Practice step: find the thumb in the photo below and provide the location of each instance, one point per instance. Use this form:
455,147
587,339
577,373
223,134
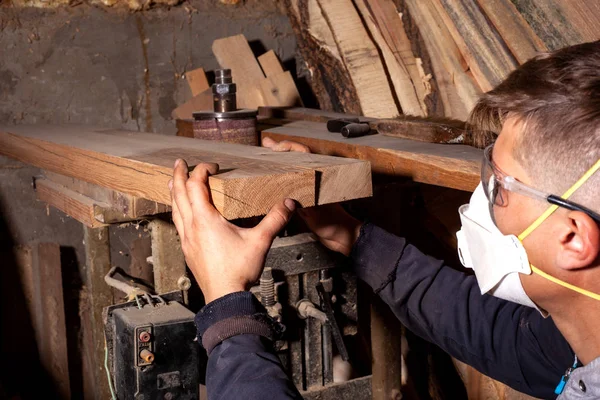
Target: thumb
275,220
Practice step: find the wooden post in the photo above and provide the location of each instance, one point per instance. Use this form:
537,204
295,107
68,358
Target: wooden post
387,356
167,257
99,295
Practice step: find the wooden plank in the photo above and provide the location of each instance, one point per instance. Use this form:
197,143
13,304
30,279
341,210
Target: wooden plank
457,88
280,90
515,31
114,206
583,16
197,81
49,317
387,30
98,296
75,205
234,53
201,102
453,166
480,44
251,180
168,261
270,64
361,58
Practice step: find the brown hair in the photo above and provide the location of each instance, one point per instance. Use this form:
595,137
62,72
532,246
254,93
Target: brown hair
556,96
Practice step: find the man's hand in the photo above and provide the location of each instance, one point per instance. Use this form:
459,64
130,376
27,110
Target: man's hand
334,227
223,257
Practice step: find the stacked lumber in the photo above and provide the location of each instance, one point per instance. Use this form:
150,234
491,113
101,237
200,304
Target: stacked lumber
380,58
250,181
260,82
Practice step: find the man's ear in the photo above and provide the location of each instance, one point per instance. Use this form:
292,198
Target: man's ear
579,241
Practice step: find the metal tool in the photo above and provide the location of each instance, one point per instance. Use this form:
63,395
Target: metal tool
350,127
225,122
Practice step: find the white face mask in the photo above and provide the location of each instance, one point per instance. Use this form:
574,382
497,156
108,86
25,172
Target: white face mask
496,259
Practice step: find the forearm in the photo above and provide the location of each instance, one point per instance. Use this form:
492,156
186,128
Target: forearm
237,334
504,340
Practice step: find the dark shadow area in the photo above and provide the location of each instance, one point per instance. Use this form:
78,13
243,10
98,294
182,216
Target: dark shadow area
19,351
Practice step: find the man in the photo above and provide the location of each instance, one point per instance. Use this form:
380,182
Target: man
530,232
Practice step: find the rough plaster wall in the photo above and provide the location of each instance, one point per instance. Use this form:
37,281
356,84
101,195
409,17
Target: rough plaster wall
88,65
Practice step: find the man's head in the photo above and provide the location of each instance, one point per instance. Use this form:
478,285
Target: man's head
547,114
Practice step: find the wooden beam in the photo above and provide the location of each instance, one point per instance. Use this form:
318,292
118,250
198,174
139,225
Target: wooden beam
98,296
197,81
251,181
453,166
168,261
270,63
74,204
43,289
111,205
361,58
234,53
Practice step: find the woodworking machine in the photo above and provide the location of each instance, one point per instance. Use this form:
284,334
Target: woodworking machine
152,351
226,122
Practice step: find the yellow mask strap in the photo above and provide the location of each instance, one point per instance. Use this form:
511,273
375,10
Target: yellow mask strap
565,196
544,216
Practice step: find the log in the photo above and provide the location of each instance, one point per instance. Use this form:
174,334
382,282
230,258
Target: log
452,166
458,91
515,31
251,180
481,46
360,57
387,30
328,77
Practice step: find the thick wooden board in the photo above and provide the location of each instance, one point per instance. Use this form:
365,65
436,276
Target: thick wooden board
251,180
234,53
452,166
270,63
197,81
280,90
360,57
74,204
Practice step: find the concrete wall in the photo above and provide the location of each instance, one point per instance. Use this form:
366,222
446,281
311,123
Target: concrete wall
107,67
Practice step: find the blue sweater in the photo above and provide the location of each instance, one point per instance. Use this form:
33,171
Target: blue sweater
511,343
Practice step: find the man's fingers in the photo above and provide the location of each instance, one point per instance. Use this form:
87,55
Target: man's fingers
284,146
275,220
198,190
179,193
176,215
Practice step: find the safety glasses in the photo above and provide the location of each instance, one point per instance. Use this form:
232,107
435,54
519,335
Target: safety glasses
495,182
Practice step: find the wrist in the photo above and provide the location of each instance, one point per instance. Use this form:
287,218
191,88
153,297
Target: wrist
212,294
350,235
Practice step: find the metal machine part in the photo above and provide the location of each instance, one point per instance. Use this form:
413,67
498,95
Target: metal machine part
296,267
225,122
152,348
